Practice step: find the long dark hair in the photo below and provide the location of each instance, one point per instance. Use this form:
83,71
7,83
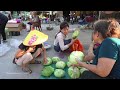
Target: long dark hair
62,25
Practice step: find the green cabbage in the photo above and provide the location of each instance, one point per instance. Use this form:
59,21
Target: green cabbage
55,59
76,55
75,34
47,71
59,73
69,57
49,61
69,64
73,72
82,70
79,67
60,65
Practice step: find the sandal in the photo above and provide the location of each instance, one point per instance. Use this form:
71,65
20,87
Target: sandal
27,70
14,61
36,62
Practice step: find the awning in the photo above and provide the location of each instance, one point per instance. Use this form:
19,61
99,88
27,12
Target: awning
108,12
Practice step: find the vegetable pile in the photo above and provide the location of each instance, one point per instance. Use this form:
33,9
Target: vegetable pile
60,67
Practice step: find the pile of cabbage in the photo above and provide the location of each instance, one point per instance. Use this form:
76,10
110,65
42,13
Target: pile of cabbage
59,72
59,69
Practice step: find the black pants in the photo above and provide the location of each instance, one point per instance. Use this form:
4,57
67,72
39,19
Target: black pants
2,28
91,75
57,48
0,38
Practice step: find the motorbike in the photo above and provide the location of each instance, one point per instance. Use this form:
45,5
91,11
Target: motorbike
57,21
72,20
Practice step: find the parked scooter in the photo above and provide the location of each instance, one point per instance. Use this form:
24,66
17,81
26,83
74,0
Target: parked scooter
57,21
72,20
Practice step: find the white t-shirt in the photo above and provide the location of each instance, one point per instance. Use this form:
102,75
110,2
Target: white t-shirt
60,39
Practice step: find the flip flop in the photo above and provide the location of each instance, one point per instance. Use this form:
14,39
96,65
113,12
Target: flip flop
27,70
14,61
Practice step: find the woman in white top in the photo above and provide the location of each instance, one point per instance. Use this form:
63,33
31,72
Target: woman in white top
60,44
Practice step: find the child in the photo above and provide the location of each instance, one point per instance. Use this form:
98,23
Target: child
60,44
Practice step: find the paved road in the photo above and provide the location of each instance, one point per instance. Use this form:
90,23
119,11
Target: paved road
10,71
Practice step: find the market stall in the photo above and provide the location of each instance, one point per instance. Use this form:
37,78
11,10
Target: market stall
14,27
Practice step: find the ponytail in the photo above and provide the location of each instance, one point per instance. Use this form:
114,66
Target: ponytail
112,27
57,34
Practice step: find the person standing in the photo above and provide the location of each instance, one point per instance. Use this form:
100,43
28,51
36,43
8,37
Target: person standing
3,21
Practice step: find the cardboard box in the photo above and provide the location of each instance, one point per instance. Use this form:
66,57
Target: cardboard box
14,26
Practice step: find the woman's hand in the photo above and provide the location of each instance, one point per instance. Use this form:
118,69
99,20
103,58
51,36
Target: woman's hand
89,57
19,53
79,63
75,65
31,49
45,60
45,56
72,41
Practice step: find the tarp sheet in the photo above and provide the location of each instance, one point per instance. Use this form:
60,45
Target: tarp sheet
53,77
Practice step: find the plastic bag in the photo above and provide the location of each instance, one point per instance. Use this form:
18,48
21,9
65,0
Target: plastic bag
27,27
46,45
15,43
76,46
3,49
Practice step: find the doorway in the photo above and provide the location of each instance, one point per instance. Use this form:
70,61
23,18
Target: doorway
66,15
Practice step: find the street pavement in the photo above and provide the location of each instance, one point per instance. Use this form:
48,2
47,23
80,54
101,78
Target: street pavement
8,70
